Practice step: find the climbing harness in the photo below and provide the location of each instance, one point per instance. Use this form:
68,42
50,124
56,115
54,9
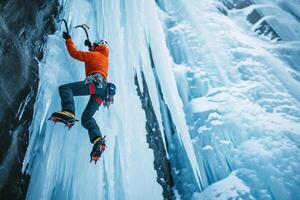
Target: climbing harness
97,80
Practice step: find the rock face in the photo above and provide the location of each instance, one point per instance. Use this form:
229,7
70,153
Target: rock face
23,33
265,28
161,163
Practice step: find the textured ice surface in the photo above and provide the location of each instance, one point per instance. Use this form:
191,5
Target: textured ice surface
229,188
240,93
226,97
59,159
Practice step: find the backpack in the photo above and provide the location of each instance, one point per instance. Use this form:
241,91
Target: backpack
111,91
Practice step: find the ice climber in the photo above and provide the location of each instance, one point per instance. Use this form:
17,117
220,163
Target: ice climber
95,85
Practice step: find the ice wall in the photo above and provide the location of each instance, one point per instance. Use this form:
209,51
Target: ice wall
223,88
59,159
239,89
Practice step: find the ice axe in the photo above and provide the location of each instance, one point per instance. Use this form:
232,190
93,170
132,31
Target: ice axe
84,27
66,24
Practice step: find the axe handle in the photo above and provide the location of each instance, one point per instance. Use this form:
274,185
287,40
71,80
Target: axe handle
84,28
66,24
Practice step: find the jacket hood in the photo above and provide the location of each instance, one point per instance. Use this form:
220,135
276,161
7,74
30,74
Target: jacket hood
102,49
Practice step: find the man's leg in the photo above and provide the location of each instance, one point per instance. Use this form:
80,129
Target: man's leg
68,91
88,121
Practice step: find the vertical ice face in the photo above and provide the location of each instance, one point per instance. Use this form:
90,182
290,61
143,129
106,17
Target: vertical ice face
59,159
222,78
237,76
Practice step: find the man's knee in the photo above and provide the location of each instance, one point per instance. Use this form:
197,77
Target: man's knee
62,89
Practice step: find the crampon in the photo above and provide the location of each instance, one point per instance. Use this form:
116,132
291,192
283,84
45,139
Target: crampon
60,117
98,149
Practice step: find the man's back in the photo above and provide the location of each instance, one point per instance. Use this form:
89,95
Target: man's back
96,60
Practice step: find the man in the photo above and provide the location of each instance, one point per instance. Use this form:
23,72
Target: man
95,85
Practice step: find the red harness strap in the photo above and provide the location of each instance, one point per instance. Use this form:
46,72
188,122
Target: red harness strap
92,91
92,88
99,101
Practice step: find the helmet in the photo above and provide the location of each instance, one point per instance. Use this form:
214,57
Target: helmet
101,42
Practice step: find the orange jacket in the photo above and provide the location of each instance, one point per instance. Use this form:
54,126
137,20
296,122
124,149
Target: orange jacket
96,60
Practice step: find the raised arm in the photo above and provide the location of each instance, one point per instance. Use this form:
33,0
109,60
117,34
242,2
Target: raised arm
84,56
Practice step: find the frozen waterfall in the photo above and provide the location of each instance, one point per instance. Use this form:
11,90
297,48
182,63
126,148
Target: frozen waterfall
222,78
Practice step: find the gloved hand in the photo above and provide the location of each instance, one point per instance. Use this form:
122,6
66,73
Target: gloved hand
87,43
66,35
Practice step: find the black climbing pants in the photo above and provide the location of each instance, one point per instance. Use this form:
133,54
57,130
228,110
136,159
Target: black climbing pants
67,93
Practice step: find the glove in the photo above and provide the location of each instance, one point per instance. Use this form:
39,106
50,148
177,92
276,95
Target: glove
87,43
66,35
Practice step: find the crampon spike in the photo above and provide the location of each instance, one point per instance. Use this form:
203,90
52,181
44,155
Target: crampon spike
69,126
69,123
94,158
54,119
